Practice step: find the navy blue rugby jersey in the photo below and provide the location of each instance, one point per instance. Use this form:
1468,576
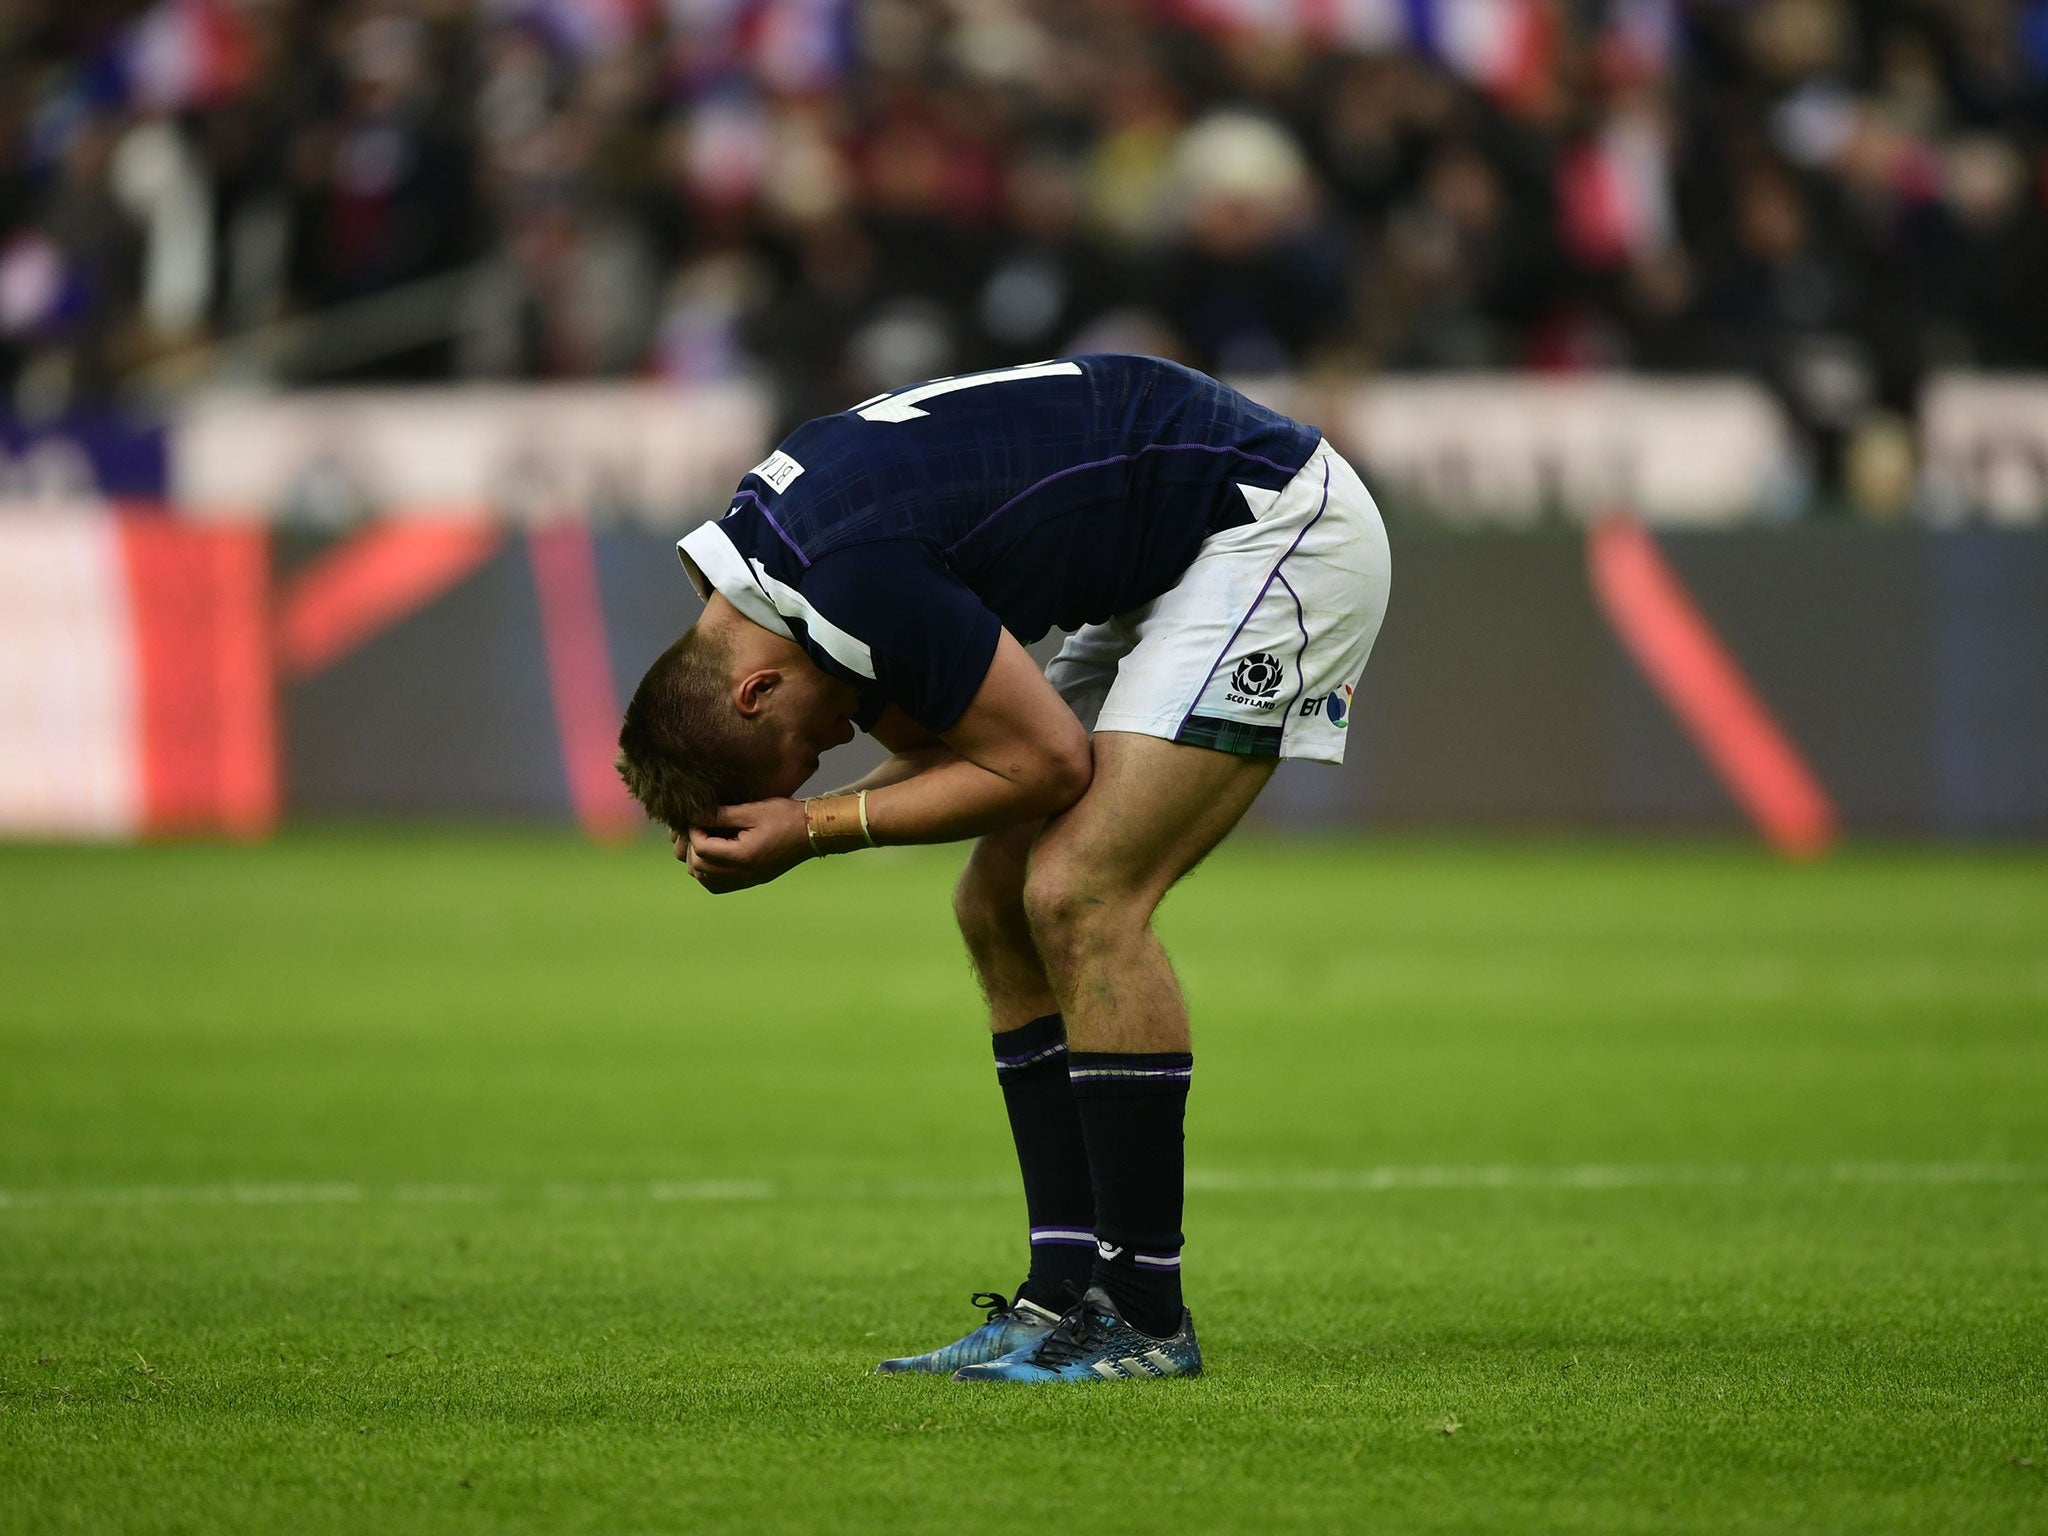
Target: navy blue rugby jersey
895,540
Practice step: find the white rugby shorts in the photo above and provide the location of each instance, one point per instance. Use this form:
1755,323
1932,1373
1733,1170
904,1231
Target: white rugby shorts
1257,648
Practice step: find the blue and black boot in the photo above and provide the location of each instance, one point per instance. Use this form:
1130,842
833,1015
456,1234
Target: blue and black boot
1009,1326
1094,1343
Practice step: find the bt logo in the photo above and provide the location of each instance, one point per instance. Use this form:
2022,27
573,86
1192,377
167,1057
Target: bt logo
1334,707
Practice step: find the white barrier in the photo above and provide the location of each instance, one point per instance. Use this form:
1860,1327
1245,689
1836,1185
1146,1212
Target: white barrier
633,453
1984,441
1508,451
1495,450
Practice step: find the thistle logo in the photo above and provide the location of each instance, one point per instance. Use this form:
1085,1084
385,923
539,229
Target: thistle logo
1258,677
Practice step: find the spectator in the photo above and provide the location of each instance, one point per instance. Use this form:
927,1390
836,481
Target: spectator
835,195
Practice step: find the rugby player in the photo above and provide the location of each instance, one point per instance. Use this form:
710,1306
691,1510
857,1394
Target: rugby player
1221,573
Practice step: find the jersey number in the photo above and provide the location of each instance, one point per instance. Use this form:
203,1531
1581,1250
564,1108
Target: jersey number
902,405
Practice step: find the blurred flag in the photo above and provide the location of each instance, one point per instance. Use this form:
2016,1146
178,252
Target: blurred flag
1507,48
1614,193
186,53
176,56
797,47
587,29
802,45
1641,39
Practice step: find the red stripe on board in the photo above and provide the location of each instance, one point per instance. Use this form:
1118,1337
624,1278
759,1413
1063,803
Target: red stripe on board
580,677
199,600
1701,683
369,583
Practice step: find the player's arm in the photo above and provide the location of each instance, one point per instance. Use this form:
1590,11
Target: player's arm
912,750
1016,754
1008,748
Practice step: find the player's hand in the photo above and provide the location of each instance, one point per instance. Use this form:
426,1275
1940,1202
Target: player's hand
746,845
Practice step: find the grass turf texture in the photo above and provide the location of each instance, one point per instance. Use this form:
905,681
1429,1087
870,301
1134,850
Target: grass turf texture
424,1183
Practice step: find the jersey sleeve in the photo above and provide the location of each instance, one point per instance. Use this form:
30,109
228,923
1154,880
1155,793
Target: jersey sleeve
928,640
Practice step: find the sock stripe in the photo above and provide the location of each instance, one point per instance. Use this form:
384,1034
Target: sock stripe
1070,1235
1030,1058
1157,1074
1156,1260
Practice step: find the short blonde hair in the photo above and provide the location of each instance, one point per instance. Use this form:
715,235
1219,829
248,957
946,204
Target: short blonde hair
683,749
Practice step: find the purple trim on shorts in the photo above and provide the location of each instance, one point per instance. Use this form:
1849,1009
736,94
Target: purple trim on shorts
1123,458
755,498
1203,687
1026,1058
1300,656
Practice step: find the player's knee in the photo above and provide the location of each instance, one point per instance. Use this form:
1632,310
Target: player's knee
979,910
1069,903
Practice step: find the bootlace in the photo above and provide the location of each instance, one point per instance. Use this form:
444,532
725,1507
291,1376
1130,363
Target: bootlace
1080,1332
994,1303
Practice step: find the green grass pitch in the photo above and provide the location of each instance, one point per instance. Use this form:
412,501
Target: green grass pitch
430,1182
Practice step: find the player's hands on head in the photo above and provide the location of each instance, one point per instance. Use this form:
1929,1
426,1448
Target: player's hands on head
745,845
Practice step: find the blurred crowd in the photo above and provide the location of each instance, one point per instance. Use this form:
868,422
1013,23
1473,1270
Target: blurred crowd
1835,198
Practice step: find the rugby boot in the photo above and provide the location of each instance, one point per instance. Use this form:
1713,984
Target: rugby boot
1094,1343
1010,1325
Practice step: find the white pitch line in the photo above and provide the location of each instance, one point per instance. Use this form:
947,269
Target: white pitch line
187,1194
1308,1181
1608,1176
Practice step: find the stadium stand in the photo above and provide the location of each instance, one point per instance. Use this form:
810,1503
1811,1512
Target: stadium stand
1835,199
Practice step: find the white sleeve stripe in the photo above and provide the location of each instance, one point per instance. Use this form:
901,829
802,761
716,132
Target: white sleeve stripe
766,600
849,651
709,552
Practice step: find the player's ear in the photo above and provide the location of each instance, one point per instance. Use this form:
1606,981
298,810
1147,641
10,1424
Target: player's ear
751,691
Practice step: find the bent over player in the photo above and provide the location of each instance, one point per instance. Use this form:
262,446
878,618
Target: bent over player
1222,573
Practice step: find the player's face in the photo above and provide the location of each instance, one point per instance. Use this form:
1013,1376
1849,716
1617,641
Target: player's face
812,714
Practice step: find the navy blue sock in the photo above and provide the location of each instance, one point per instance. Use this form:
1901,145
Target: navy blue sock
1059,1199
1132,1108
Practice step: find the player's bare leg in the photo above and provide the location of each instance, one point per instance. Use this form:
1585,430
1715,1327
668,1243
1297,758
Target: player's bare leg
1031,1066
1099,872
1095,877
988,903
